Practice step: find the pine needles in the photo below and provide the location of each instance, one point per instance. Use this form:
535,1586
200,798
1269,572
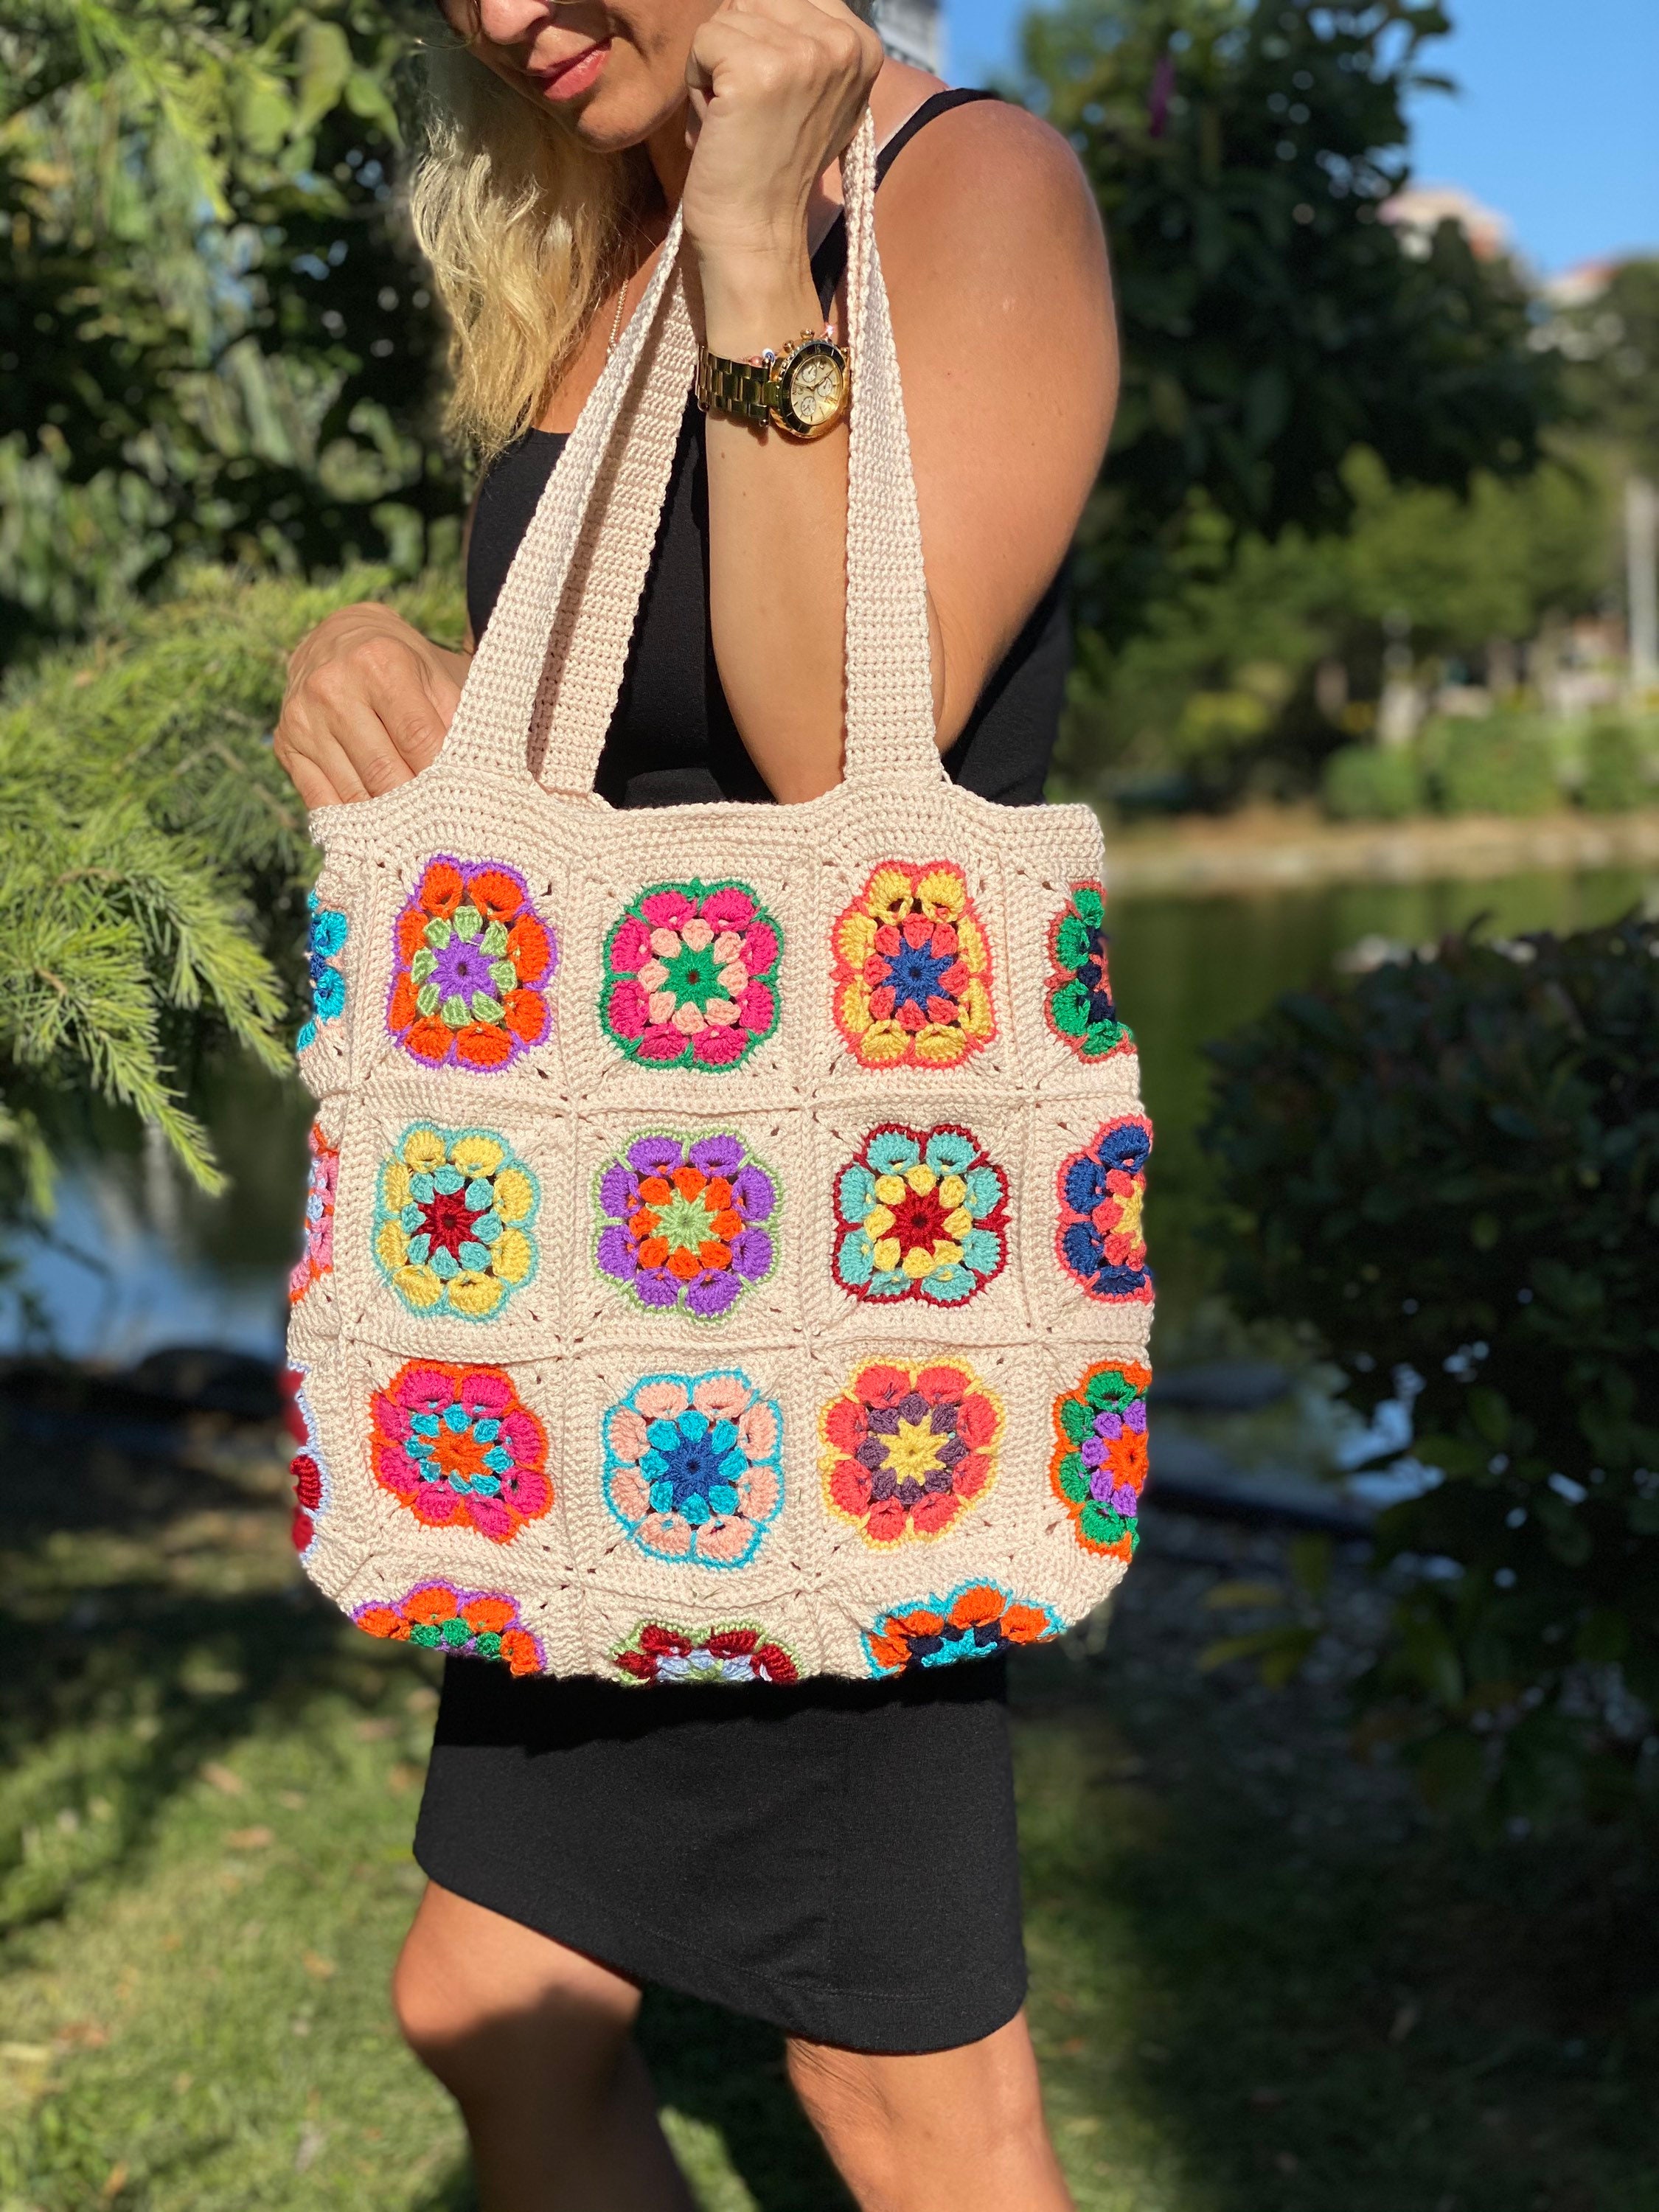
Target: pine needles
152,865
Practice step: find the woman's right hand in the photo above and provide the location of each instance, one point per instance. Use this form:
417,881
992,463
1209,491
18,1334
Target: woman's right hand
369,703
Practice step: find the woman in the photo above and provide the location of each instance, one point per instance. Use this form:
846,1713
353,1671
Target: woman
837,1858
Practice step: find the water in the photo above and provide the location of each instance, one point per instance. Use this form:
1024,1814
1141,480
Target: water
135,1261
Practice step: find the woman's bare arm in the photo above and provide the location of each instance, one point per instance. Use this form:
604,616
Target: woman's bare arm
1001,304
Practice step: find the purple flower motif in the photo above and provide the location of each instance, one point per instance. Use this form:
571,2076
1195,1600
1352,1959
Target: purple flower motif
686,1224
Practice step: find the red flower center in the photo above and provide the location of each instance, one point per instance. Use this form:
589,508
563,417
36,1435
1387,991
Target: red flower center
919,1221
448,1220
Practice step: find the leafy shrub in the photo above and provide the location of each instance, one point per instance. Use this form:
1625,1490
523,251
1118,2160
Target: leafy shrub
154,861
1452,1167
1499,766
1615,770
1372,783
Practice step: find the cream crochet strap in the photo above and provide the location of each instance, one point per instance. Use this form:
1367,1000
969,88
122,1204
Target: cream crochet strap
545,680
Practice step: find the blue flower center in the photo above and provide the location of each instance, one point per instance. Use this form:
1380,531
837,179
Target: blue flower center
915,974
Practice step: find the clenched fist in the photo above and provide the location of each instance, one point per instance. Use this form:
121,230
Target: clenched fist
369,704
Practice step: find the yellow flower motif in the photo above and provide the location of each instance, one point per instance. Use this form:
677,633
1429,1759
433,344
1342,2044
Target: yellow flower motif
888,896
855,938
515,1195
477,1156
453,1224
912,980
943,895
424,1151
418,1287
514,1255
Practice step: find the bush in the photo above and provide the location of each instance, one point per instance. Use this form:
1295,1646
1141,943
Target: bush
1498,765
1452,1166
1615,770
1372,783
154,860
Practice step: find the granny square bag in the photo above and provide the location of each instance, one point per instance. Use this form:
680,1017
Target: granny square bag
724,1254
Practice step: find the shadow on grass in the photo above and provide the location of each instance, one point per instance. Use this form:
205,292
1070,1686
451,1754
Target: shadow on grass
725,2074
1298,1990
152,1619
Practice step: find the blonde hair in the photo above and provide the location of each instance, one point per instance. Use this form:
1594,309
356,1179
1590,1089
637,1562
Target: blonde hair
523,226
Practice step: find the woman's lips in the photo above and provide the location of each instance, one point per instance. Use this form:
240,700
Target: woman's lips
567,80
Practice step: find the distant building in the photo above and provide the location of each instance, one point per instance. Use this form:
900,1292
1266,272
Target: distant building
913,31
1418,211
1578,286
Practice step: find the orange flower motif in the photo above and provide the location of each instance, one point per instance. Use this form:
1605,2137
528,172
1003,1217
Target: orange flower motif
469,958
477,1624
976,1621
912,972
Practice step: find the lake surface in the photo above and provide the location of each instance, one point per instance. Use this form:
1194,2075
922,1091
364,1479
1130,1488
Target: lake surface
135,1261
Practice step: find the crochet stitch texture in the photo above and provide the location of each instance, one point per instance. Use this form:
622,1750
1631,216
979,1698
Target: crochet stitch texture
724,1257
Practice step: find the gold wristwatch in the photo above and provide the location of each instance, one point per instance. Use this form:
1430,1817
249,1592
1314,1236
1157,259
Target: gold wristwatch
804,389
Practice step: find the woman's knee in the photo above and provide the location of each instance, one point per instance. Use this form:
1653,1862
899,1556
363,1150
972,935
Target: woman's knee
481,2000
909,2131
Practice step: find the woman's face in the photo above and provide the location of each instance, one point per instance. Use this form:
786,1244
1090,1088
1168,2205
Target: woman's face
615,73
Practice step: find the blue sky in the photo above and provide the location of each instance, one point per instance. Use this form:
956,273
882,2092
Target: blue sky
1556,124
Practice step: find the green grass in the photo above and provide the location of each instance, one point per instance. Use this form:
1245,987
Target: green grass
1261,1982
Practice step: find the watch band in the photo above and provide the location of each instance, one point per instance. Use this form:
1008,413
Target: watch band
747,389
753,391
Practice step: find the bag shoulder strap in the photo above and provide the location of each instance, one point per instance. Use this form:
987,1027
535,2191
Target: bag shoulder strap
544,681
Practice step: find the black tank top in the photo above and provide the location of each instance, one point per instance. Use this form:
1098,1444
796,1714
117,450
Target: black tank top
672,740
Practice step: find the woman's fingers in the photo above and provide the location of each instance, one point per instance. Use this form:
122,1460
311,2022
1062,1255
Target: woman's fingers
367,707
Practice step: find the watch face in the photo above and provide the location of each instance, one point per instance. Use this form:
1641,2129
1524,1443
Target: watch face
815,386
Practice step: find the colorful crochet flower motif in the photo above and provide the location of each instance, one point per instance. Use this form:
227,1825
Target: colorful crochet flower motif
905,1449
1102,1188
470,962
325,937
923,1215
469,1624
691,976
318,1258
455,1445
684,1223
453,1216
1080,1004
1099,1465
912,979
310,1477
740,1652
976,1621
691,1466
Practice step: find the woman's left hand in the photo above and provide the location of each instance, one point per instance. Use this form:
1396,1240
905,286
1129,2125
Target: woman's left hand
777,87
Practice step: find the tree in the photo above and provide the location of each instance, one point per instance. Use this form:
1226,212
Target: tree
1611,346
154,863
1218,687
213,341
1241,151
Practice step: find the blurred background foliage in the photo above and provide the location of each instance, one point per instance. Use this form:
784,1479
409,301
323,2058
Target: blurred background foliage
1449,1169
215,343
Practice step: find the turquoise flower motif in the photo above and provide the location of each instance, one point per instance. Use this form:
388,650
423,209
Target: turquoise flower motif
923,1214
326,937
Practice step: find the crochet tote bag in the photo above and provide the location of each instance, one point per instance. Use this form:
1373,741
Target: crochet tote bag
724,1256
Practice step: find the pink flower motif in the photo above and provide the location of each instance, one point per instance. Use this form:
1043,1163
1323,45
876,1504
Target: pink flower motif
318,1258
691,1466
667,906
455,1445
690,975
730,907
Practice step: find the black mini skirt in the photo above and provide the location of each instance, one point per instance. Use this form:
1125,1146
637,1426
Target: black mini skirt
836,1857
